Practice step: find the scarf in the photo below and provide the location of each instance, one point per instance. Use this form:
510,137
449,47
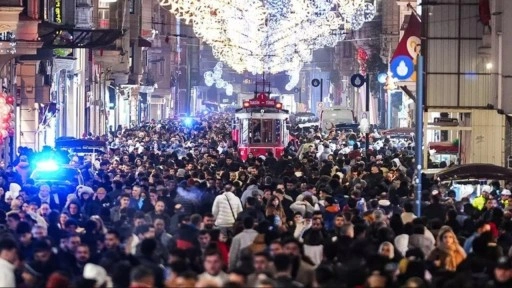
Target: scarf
44,199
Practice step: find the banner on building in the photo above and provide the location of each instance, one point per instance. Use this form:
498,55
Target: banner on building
404,59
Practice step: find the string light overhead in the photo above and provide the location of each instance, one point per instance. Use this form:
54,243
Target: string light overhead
270,36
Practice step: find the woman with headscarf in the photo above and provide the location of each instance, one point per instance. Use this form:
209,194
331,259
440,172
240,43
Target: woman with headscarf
448,254
387,250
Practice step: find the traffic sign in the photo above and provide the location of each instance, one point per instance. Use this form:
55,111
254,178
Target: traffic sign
402,68
315,82
357,80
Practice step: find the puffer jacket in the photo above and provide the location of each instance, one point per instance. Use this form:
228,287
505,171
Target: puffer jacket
225,215
422,242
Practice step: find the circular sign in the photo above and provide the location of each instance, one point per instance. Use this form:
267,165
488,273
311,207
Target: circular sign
402,67
382,77
357,80
315,82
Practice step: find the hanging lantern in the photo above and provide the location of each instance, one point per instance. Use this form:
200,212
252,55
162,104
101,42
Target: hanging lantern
7,124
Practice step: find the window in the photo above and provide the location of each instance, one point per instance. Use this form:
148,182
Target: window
348,50
264,131
132,6
132,53
145,58
103,18
163,28
103,4
162,67
277,131
244,127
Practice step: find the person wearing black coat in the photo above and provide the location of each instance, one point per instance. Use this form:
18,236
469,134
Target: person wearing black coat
147,250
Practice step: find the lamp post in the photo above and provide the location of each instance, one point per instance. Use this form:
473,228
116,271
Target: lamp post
319,82
358,80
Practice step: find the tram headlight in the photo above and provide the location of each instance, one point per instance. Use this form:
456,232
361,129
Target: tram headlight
279,106
262,112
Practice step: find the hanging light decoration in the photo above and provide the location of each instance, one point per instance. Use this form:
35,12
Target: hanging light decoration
270,35
215,78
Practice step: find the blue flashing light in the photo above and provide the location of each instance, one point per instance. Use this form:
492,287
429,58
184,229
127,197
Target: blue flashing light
188,121
47,166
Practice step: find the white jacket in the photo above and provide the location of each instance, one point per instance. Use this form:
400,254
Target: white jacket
7,274
225,215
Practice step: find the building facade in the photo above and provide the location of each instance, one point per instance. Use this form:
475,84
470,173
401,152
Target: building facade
466,78
86,67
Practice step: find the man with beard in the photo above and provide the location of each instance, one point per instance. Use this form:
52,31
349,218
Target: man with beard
43,255
314,239
335,233
82,257
208,221
302,271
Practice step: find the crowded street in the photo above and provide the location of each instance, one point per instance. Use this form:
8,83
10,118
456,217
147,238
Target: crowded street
255,143
175,205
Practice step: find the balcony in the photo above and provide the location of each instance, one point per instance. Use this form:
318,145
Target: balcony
61,36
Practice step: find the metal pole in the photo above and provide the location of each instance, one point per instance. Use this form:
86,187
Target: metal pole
322,90
367,135
388,118
189,81
418,151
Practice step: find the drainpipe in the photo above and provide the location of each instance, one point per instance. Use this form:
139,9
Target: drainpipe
500,68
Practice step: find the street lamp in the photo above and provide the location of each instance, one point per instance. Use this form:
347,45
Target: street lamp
358,80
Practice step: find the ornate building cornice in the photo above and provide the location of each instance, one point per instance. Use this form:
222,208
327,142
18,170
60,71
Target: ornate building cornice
9,17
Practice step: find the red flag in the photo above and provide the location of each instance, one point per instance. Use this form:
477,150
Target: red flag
410,43
484,12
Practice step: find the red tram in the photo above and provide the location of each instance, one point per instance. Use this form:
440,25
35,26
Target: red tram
261,126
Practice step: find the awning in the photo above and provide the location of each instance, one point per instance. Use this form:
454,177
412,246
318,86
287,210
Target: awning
443,147
476,171
398,131
144,43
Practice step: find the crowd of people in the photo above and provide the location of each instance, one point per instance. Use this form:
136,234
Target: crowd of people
172,205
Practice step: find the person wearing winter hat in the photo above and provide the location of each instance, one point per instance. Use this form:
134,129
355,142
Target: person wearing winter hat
98,274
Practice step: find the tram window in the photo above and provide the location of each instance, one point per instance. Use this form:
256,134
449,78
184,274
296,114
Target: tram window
277,130
245,130
261,131
267,131
255,130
